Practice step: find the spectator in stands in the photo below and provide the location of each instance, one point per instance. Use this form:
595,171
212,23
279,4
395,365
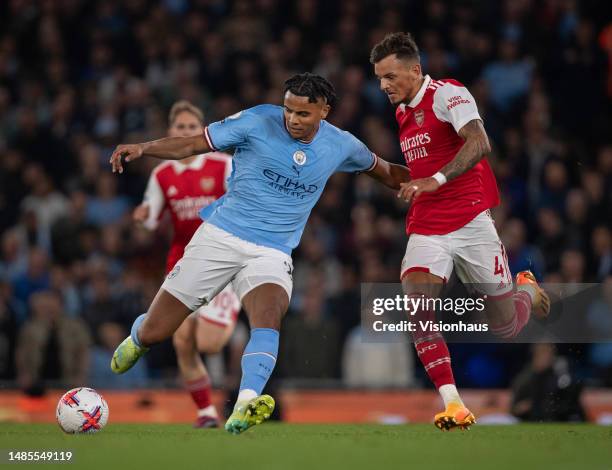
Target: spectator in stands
578,217
51,346
13,254
572,266
593,183
44,201
314,262
107,207
35,278
550,237
546,390
8,332
521,255
508,78
12,163
346,304
601,245
66,232
61,282
555,186
101,306
312,349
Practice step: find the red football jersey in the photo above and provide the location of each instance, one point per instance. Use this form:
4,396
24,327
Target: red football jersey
428,128
184,190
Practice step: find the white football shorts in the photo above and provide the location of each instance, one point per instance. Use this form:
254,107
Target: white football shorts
475,250
215,258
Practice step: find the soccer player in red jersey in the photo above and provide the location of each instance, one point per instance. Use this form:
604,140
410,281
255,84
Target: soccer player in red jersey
183,188
449,225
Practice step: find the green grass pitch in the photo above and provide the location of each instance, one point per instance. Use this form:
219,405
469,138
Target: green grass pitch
313,447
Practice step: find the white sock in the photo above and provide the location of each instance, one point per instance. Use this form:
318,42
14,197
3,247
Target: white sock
210,410
245,395
449,394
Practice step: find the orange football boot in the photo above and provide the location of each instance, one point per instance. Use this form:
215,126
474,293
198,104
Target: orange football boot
456,415
540,304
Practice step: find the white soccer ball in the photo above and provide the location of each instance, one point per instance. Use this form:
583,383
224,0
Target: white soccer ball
81,410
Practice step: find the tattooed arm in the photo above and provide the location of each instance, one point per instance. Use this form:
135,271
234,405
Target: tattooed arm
473,150
475,147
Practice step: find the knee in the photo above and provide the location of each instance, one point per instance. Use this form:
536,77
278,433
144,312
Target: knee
211,346
267,318
211,338
182,343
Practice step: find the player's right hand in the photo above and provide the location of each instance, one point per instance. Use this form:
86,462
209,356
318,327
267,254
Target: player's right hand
412,189
141,213
128,151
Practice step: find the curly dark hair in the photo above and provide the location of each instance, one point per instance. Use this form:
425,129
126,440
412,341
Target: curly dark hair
400,44
313,86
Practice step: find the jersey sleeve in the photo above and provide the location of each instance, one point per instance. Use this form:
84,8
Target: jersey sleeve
154,198
359,157
455,104
231,132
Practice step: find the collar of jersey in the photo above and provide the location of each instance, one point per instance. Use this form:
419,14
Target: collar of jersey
196,164
419,96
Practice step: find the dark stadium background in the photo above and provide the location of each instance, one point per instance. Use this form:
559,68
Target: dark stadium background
78,77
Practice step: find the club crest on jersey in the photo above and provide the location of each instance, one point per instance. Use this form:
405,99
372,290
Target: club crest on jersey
419,117
299,157
207,184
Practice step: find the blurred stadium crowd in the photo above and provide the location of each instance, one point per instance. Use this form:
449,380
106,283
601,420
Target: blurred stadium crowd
77,77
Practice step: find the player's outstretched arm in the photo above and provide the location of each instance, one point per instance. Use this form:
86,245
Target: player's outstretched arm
168,148
389,174
476,146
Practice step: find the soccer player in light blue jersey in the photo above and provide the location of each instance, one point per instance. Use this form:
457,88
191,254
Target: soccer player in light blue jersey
283,157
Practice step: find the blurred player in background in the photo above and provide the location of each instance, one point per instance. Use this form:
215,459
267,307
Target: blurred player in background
283,159
449,224
183,188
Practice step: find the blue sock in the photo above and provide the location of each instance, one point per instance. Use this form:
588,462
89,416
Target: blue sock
259,359
134,330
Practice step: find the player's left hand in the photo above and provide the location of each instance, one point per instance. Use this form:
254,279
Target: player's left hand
411,190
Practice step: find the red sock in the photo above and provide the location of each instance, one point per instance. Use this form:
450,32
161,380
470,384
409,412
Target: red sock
200,391
522,312
431,349
434,356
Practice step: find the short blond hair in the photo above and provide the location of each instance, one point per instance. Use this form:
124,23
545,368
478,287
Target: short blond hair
184,105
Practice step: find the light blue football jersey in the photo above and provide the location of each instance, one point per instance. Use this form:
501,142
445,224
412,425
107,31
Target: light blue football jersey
276,180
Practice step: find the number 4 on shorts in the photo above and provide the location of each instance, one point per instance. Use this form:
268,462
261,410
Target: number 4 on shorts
499,268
